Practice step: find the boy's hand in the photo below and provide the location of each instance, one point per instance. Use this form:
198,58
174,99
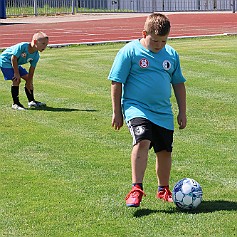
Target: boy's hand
29,87
16,78
117,121
182,120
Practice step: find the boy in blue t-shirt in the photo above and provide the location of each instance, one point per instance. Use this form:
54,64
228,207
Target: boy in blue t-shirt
11,60
142,75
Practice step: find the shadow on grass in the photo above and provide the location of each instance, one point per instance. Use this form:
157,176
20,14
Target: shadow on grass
144,212
205,207
54,109
216,205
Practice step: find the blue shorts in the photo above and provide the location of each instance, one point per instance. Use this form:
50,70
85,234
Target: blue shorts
143,129
8,73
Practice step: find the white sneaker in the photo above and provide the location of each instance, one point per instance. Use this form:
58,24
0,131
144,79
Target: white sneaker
36,104
18,107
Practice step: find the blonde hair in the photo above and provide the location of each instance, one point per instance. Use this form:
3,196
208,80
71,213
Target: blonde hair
157,24
39,35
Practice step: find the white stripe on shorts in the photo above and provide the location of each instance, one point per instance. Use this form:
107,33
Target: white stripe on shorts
132,133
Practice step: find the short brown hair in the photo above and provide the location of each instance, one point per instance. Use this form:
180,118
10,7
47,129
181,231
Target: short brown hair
157,24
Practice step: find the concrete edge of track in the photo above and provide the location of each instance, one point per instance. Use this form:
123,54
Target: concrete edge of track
126,41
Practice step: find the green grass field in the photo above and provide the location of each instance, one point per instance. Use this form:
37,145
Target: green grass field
66,172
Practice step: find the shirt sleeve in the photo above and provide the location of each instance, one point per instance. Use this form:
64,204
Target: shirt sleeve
17,50
177,76
121,66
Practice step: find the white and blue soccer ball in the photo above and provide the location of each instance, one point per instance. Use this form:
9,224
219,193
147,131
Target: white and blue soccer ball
187,194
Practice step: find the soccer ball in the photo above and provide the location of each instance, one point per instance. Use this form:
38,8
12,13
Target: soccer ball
187,194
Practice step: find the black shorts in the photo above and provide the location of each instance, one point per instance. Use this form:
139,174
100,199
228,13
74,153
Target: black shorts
143,129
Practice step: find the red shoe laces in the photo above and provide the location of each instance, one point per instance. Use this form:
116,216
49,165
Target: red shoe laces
135,192
167,193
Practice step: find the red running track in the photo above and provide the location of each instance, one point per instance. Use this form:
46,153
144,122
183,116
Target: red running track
117,29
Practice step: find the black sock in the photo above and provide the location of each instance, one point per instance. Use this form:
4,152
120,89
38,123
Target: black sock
139,185
30,95
160,188
15,94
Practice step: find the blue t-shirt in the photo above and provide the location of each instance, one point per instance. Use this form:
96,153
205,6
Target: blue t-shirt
147,79
21,52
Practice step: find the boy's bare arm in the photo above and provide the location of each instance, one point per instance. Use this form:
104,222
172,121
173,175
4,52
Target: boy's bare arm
29,81
31,72
116,93
180,94
15,67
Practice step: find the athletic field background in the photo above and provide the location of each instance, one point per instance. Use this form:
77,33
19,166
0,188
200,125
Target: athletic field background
66,172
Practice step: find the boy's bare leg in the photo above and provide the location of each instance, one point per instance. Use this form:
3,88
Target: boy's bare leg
163,167
139,158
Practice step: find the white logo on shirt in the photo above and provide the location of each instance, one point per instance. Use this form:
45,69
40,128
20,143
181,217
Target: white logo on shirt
29,59
23,55
166,65
143,63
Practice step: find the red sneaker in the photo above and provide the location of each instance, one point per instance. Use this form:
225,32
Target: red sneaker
165,194
134,197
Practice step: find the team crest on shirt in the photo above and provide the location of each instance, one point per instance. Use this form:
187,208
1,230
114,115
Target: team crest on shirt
139,130
144,63
166,65
23,55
